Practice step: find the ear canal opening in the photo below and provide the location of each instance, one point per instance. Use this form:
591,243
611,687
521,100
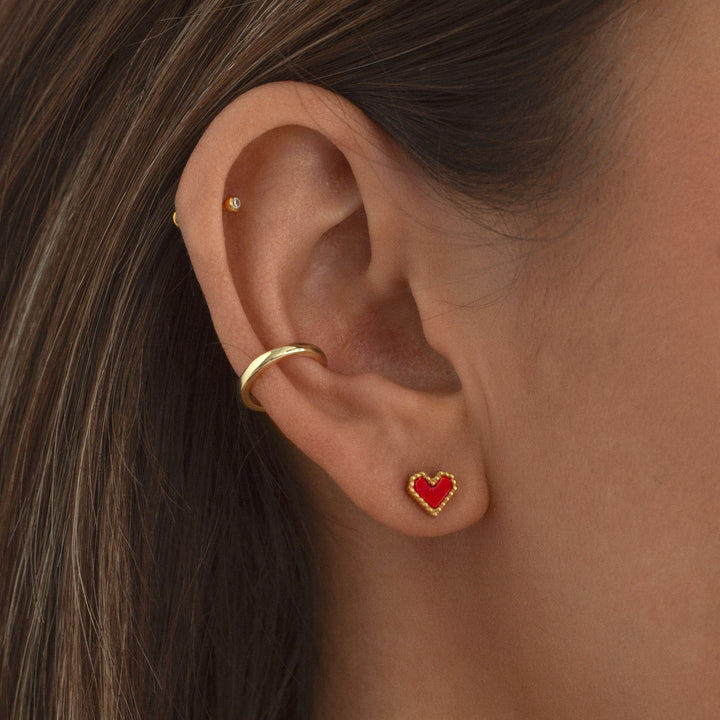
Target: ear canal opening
344,249
402,353
382,333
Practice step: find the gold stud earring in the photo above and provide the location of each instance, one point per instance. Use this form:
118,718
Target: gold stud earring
231,203
432,493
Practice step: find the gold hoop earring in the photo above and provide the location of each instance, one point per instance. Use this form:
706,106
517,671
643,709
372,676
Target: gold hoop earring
262,362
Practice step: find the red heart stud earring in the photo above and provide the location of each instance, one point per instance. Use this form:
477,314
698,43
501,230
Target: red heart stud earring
432,494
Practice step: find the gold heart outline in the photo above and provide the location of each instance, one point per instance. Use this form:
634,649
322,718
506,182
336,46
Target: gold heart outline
432,482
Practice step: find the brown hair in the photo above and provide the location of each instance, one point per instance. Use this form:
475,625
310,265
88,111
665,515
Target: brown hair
154,552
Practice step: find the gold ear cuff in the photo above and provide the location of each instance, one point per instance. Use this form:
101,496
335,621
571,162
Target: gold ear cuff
262,362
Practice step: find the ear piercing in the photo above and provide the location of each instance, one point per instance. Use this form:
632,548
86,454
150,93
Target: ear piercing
231,203
432,494
262,362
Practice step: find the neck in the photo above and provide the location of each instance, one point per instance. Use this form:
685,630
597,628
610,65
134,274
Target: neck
405,633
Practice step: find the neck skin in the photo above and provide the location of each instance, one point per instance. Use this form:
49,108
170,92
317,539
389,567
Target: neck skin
405,633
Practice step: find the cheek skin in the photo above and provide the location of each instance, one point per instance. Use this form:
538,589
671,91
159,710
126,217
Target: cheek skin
608,489
605,449
607,480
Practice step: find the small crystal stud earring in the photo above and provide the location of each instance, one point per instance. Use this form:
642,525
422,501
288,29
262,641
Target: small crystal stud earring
232,203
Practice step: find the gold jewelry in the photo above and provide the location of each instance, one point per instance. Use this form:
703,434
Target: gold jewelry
432,494
259,364
230,203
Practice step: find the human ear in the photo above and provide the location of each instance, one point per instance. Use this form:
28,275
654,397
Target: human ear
326,248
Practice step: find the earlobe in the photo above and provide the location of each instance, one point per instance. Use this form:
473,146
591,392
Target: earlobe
295,211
